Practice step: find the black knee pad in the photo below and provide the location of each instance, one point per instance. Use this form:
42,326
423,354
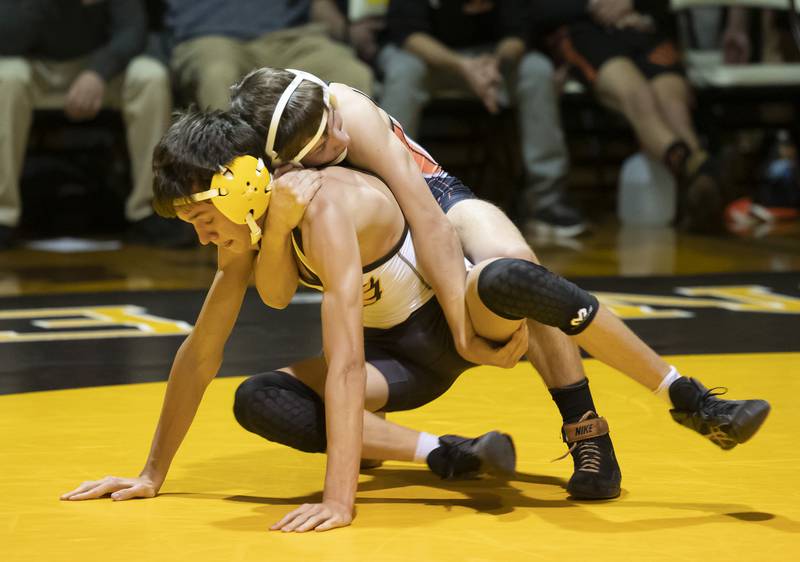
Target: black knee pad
516,289
282,409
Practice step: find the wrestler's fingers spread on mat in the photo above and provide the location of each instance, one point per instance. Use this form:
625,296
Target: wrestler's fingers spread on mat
314,521
289,517
119,488
82,488
318,516
308,514
93,489
332,524
339,518
85,487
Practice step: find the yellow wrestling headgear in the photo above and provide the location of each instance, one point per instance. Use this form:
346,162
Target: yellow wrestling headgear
241,191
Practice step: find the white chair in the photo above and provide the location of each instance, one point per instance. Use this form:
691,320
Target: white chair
357,9
706,69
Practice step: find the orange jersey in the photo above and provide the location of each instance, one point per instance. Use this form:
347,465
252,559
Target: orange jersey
447,190
427,165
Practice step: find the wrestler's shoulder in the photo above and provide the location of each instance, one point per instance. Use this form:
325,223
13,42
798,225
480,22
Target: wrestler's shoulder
351,101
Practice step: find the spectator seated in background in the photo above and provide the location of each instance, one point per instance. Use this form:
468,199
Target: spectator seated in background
776,42
218,42
82,57
366,31
479,47
624,50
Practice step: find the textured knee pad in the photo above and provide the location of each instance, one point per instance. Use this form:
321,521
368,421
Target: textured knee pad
282,409
516,289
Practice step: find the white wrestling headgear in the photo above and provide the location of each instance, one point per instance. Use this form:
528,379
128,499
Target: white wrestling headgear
299,76
241,191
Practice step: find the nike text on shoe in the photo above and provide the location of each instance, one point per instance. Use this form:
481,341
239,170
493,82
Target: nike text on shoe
597,475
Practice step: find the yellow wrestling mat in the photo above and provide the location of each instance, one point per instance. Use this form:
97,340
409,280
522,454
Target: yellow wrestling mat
683,498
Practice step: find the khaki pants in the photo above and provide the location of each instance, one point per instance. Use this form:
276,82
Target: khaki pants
206,67
142,93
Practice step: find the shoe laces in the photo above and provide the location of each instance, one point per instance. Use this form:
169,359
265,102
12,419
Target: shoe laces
710,405
459,456
588,456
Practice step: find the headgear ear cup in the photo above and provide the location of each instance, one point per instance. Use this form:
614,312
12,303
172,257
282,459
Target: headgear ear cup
241,191
244,192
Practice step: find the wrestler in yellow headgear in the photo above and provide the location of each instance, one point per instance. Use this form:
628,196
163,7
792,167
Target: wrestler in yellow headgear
241,191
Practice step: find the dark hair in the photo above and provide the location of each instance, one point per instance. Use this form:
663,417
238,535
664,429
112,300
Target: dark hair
191,151
254,99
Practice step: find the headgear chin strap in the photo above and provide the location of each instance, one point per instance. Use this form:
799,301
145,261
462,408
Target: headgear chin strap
299,76
340,158
241,191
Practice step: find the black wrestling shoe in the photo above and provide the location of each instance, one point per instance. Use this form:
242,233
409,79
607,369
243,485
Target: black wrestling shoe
462,457
558,220
726,423
597,475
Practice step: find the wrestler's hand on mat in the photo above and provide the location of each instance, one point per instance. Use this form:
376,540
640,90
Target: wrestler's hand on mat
119,488
315,517
291,194
481,351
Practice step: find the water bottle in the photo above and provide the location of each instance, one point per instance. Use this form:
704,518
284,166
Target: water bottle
646,193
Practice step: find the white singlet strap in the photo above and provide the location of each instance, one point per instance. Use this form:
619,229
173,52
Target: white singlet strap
283,101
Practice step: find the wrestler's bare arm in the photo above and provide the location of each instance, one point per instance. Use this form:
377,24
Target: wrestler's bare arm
330,240
275,271
374,147
196,363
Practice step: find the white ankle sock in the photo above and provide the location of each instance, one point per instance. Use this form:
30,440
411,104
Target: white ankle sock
425,444
663,389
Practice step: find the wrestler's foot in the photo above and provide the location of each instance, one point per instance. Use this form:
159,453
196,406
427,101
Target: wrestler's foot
725,422
462,457
597,475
